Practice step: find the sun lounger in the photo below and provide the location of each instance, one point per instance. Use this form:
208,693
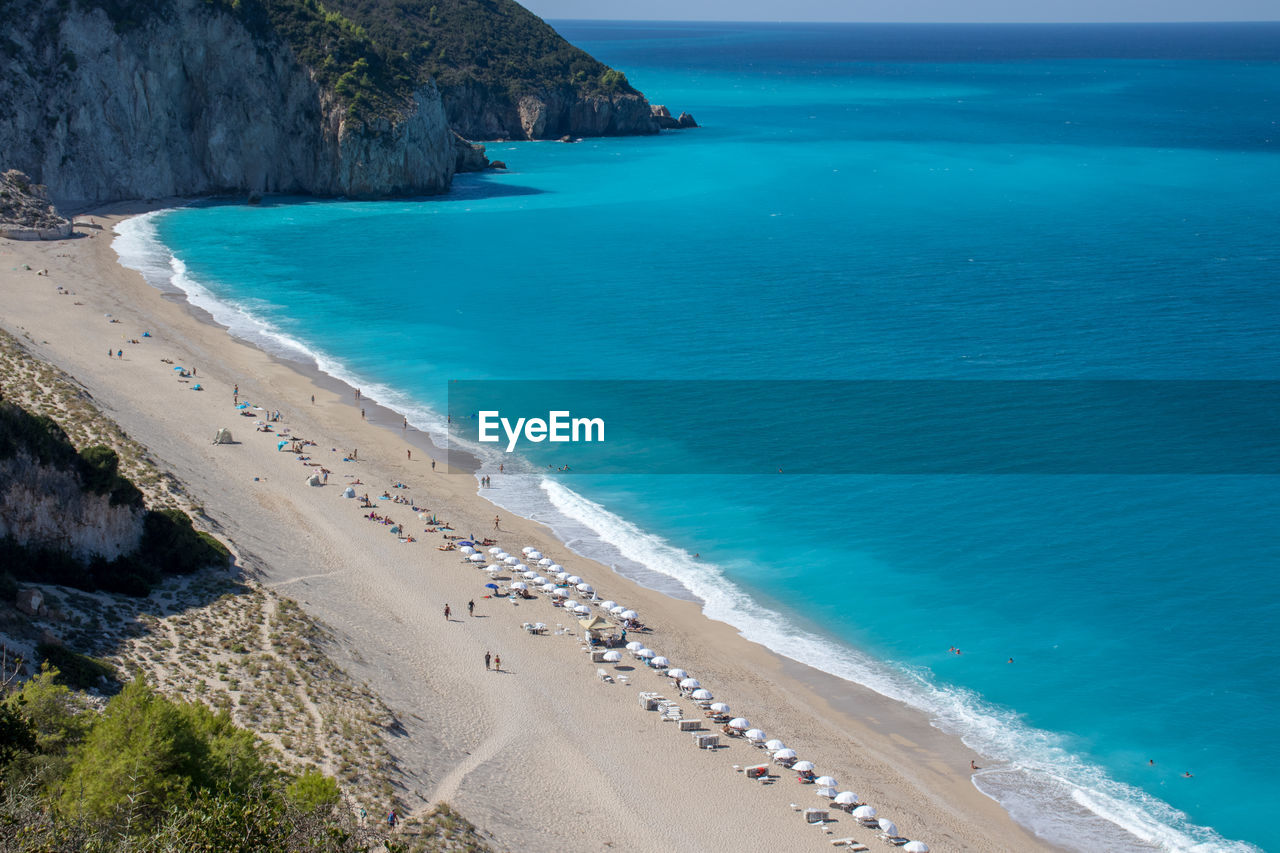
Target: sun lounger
849,843
690,725
816,816
706,741
604,676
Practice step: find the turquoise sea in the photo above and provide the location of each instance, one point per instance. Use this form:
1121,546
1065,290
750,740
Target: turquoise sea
876,202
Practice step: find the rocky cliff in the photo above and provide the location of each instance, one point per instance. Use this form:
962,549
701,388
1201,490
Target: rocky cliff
26,212
190,101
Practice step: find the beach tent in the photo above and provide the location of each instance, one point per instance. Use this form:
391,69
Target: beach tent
313,480
348,492
595,623
916,847
222,436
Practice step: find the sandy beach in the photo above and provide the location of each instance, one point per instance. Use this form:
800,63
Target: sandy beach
543,754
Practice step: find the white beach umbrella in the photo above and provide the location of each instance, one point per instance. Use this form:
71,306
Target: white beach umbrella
864,812
916,847
561,575
616,609
560,592
635,646
526,549
888,827
607,605
740,723
628,614
825,781
702,694
613,656
573,579
495,550
519,567
476,558
690,684
802,766
555,567
530,575
586,588
660,661
548,587
493,568
771,745
846,798
501,555
519,585
545,561
647,654
722,708
511,561
467,549
826,791
784,754
535,555
756,735
677,674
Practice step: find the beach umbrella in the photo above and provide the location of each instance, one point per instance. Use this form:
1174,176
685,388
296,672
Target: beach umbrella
677,674
243,406
526,549
491,586
493,568
586,588
690,684
740,723
864,812
616,609
825,781
771,745
826,791
613,656
501,555
756,735
802,766
784,754
561,575
702,694
476,558
607,605
581,608
530,575
888,827
628,614
466,549
560,593
722,708
659,661
495,550
634,646
647,654
519,567
465,542
555,567
511,561
573,579
545,561
521,585
916,847
535,555
846,798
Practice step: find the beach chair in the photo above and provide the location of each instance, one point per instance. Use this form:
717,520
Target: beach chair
894,840
604,676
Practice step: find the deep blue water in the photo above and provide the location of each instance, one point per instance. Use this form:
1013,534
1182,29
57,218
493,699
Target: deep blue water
878,202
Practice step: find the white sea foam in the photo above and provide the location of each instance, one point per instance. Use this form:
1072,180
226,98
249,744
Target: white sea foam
1043,785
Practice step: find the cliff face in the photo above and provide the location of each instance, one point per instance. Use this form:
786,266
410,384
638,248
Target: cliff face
190,102
478,113
43,506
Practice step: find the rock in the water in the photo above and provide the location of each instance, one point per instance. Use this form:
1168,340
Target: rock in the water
686,120
497,164
471,157
663,117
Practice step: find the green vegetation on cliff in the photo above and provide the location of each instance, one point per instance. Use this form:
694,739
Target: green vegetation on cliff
374,53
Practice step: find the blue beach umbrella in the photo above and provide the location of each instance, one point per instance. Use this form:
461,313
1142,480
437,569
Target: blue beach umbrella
491,586
179,368
243,406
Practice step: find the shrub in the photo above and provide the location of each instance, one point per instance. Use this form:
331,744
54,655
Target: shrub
74,669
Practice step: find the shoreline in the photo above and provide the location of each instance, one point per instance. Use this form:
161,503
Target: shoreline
891,754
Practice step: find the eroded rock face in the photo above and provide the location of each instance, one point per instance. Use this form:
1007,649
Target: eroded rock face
192,103
42,506
26,212
479,114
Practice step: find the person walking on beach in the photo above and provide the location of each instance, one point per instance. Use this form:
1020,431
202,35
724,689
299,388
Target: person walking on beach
497,664
486,660
410,453
362,414
433,463
471,608
446,613
393,819
495,523
313,399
